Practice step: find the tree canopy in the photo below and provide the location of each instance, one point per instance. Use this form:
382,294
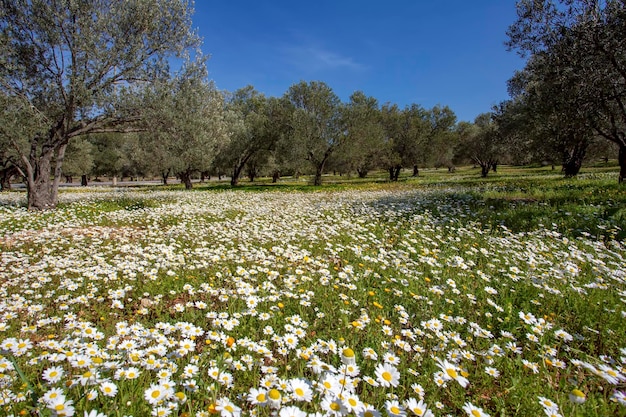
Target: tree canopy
77,66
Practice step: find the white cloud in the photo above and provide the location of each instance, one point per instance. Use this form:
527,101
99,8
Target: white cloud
313,59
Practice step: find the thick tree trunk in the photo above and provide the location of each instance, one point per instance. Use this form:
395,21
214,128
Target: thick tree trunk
416,171
317,181
275,176
239,166
484,169
42,188
234,180
362,173
5,177
396,173
68,179
185,178
573,160
319,167
84,181
5,183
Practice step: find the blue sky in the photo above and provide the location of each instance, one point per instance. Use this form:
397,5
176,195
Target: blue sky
448,52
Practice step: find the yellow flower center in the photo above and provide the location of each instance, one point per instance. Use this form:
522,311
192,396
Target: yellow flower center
334,406
155,394
387,376
476,413
395,410
260,398
299,392
452,373
274,394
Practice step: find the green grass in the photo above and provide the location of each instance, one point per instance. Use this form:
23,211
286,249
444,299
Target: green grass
484,273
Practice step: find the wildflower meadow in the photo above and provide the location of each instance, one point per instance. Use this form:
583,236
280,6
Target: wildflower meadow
425,298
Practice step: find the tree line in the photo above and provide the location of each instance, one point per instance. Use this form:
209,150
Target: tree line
86,90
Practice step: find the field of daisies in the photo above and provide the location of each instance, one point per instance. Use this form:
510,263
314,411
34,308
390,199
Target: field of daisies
365,301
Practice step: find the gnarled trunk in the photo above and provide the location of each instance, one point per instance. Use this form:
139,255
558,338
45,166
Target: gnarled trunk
484,169
43,185
164,176
185,178
237,168
394,172
573,159
5,177
318,174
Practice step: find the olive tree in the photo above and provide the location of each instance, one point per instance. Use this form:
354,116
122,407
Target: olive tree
317,123
186,117
79,66
578,52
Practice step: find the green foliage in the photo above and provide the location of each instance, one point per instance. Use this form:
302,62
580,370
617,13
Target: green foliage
79,68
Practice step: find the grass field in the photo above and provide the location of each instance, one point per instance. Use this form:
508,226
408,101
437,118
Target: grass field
445,294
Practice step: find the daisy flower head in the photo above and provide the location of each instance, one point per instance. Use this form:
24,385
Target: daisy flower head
577,396
451,371
257,396
329,383
473,411
353,403
619,397
387,375
348,357
227,408
108,389
53,374
391,359
291,411
155,394
334,406
394,409
62,407
370,353
368,411
548,403
300,390
350,370
53,395
419,409
94,413
274,398
552,412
